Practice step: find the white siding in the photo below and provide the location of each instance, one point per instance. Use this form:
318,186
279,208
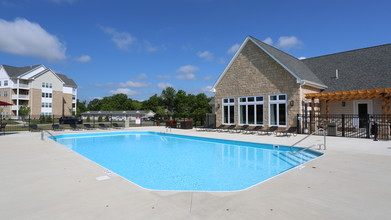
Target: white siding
67,90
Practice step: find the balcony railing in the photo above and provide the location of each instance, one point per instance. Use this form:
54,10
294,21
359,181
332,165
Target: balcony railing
24,97
15,107
21,85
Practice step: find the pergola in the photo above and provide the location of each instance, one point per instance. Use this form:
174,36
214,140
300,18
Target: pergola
364,94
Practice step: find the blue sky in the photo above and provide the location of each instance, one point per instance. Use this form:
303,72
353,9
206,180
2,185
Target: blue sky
140,47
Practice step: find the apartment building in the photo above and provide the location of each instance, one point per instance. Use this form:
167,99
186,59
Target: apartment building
38,87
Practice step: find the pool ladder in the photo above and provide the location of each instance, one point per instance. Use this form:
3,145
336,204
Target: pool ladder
319,145
43,135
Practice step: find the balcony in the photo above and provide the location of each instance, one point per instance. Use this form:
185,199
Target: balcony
20,97
21,86
15,107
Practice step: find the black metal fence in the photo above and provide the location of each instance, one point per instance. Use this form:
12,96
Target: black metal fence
40,122
377,126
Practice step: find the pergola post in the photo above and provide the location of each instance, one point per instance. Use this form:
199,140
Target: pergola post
312,121
327,110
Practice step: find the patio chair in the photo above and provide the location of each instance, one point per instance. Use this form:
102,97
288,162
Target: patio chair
2,127
239,129
227,129
268,130
219,128
74,127
117,126
88,126
252,130
288,132
103,126
57,127
34,127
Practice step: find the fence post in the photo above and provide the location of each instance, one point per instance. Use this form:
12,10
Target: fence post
367,126
29,122
298,124
343,125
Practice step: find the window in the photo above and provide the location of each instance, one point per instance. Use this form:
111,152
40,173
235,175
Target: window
0,83
43,85
228,111
46,95
5,82
277,110
5,93
251,110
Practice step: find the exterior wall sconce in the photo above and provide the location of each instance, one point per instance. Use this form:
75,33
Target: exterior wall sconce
291,103
343,104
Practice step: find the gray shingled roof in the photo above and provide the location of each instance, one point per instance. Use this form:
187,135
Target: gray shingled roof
17,71
67,81
292,63
366,68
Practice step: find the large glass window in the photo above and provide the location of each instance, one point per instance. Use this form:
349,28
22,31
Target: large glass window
251,110
277,110
228,111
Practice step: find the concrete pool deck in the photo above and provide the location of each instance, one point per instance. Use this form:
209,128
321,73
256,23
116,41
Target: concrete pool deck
45,180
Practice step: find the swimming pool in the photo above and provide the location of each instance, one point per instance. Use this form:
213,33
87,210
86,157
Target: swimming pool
161,161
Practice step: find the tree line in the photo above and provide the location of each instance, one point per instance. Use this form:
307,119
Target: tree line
169,103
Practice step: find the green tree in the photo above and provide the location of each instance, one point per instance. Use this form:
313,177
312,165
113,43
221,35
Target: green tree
168,96
24,110
153,103
94,105
80,107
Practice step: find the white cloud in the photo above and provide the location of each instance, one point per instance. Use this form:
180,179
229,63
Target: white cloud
206,89
233,49
268,40
187,69
83,59
186,76
141,76
133,84
122,40
22,37
164,85
302,58
288,42
124,91
206,55
206,78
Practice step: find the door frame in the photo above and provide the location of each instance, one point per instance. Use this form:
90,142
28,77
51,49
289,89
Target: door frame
368,102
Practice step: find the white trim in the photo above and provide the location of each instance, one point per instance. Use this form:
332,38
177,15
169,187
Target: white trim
277,116
316,85
254,103
229,104
368,102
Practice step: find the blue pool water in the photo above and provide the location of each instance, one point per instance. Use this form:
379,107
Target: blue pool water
175,162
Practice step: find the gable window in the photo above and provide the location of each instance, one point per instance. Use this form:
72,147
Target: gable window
228,111
251,110
277,110
5,82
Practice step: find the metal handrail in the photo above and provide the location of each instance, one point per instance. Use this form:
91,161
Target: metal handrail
319,145
42,135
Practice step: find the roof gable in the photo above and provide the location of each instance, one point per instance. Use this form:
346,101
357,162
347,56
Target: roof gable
293,65
67,81
14,72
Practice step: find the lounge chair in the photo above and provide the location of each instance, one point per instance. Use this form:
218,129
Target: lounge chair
252,130
227,129
268,130
74,127
219,128
239,129
288,132
2,127
34,127
57,127
117,126
88,126
103,126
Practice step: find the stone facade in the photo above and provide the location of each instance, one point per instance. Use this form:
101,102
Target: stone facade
255,73
67,104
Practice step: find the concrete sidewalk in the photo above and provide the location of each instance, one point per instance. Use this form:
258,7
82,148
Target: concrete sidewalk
45,180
